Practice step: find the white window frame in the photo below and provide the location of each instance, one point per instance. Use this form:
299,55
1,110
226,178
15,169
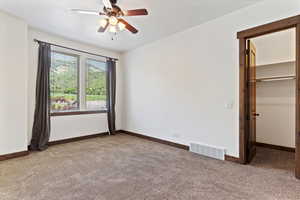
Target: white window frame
85,78
82,81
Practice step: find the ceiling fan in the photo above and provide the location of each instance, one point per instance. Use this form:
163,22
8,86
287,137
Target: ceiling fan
113,19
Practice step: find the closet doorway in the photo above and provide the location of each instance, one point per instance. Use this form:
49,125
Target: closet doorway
266,80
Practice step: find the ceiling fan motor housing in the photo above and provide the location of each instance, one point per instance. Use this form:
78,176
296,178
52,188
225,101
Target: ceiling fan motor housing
113,1
115,11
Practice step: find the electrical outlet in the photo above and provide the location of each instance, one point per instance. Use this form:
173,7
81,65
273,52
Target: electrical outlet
229,105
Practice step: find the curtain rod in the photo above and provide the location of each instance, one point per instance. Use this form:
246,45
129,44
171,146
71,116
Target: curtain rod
38,41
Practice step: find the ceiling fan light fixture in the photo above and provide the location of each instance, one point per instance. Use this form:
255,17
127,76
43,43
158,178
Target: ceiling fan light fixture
113,21
113,29
121,26
103,23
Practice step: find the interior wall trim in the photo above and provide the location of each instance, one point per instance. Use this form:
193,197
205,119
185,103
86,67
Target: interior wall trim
14,155
64,141
270,27
276,147
233,159
180,146
173,144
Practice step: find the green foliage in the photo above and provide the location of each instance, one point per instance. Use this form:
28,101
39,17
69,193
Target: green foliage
63,74
64,79
96,81
95,97
72,97
70,91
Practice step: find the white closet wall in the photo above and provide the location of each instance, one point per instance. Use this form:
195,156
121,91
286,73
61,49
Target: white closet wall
277,47
276,99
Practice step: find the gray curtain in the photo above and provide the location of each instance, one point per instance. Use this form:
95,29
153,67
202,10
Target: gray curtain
41,125
111,95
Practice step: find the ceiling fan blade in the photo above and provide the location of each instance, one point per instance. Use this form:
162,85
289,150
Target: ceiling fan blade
103,28
135,12
128,26
107,3
88,12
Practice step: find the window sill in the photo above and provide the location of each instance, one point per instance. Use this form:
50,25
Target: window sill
87,112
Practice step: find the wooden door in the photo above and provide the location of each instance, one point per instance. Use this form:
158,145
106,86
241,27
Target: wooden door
243,100
251,114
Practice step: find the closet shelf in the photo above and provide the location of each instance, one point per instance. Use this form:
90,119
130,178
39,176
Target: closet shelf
276,63
276,78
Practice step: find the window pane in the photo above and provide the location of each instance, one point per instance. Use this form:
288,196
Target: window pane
96,85
64,82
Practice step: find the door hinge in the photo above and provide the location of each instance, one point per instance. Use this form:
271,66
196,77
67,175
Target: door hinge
247,84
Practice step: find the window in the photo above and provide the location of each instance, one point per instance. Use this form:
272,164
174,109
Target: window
95,85
64,82
77,84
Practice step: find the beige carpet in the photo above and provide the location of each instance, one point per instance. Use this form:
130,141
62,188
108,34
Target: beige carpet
124,167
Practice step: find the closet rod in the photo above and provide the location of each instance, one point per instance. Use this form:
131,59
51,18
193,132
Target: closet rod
38,41
276,78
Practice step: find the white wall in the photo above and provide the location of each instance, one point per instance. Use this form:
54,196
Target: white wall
276,100
13,84
178,88
64,127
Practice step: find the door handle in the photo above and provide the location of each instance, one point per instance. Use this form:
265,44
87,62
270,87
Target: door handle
256,114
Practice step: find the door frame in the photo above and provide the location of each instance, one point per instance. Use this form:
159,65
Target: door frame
243,36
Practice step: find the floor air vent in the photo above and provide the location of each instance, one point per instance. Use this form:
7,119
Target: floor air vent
209,151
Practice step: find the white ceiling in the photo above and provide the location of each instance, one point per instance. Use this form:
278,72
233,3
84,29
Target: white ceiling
165,17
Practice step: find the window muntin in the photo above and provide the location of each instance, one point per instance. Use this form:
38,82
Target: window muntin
64,82
95,89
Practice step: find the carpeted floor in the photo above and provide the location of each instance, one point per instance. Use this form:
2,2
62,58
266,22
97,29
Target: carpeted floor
125,167
274,159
